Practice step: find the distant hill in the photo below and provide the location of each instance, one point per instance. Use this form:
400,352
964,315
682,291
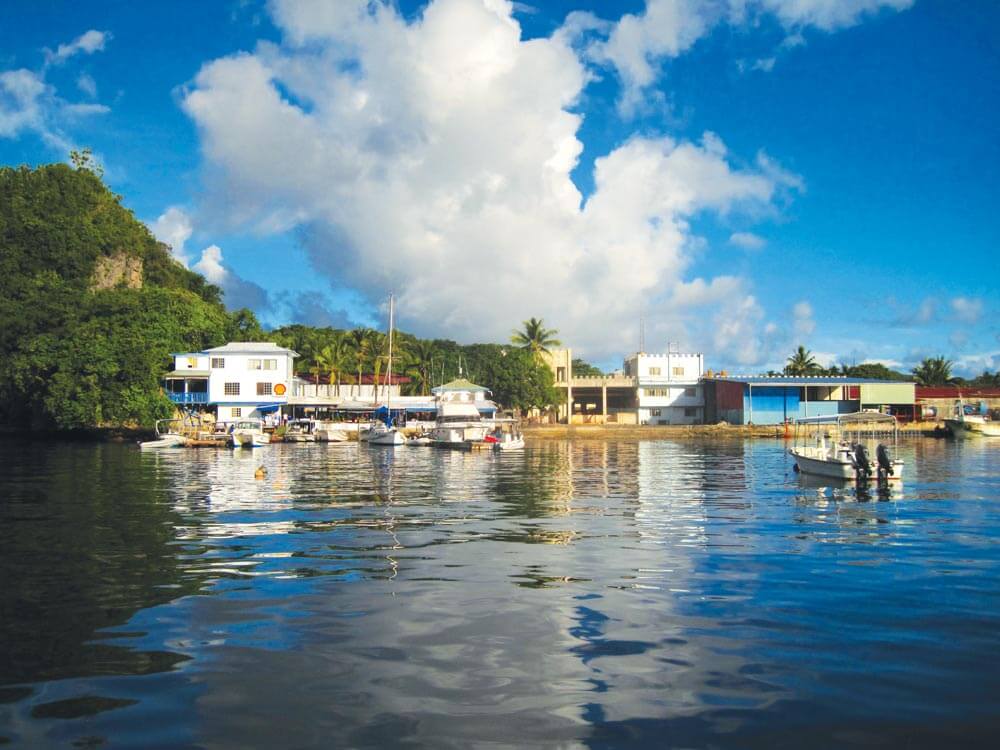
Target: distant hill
91,305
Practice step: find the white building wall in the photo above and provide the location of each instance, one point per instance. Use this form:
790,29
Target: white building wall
668,388
235,371
191,361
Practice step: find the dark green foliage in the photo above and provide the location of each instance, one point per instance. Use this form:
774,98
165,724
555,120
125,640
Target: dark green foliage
514,376
583,369
873,370
934,371
71,357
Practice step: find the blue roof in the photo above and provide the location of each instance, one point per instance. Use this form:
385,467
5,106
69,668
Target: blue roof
829,380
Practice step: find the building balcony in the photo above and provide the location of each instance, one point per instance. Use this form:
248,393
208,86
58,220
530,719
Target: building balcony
188,398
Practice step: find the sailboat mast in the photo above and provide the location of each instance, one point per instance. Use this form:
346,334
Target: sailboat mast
388,395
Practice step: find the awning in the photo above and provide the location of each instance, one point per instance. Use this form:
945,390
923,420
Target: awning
267,408
187,374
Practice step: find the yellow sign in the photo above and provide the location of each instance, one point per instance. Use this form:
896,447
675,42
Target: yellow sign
279,389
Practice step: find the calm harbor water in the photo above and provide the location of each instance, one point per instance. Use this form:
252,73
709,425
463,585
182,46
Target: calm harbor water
578,594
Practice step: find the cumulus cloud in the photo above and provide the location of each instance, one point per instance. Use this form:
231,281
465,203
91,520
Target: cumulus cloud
173,227
433,157
747,240
966,309
237,291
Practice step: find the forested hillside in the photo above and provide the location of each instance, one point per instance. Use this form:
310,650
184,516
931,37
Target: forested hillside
91,305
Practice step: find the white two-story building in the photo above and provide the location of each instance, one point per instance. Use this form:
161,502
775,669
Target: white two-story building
668,390
238,380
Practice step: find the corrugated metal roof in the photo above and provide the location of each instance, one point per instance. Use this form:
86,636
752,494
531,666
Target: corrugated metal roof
824,380
459,384
187,374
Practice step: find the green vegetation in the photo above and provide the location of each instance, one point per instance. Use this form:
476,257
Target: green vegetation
583,369
91,305
802,362
535,337
934,371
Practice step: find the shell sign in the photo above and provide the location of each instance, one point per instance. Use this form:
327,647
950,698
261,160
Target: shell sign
279,389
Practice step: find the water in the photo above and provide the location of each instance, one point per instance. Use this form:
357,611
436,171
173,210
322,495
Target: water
578,594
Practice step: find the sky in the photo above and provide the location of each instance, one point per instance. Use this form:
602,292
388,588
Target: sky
732,177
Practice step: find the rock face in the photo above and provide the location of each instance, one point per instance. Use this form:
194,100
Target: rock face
118,270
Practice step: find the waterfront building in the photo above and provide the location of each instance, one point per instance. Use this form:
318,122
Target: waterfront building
591,399
937,402
668,387
237,380
763,400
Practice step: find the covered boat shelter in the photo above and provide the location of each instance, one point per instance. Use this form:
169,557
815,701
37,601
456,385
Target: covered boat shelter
762,400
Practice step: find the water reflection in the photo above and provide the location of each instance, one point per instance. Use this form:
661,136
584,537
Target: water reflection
594,592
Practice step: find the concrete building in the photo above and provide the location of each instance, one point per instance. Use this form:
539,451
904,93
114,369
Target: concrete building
668,387
935,403
591,399
240,380
774,400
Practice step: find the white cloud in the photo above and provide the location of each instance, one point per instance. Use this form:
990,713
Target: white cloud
87,85
30,105
966,309
433,157
802,319
747,240
173,227
87,43
237,292
638,44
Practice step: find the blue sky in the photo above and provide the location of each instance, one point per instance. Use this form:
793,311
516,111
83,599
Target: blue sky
752,174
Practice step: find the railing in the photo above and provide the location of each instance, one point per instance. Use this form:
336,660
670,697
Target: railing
188,398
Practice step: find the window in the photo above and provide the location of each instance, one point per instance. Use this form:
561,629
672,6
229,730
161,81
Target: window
690,411
560,374
237,412
654,412
218,363
192,362
654,370
263,389
262,364
679,371
690,392
231,389
270,364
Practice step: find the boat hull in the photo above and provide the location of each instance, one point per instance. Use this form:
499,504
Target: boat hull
250,439
165,441
331,436
839,469
389,436
961,428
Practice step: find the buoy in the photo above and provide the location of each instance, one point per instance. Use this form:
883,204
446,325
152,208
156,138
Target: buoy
260,473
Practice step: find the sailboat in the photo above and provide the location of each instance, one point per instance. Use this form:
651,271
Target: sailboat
383,431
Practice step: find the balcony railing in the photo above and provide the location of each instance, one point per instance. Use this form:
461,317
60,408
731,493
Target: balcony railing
188,398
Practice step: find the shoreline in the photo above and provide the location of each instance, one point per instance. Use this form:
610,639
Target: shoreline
695,431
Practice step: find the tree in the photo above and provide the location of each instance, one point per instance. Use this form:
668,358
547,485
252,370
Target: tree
802,362
515,377
420,366
934,371
535,337
585,369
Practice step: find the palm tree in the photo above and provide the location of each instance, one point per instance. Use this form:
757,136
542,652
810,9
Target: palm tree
934,371
802,362
360,341
535,337
420,366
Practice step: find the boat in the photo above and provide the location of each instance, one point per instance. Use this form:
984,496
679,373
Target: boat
382,431
328,432
963,425
300,431
508,439
167,439
848,446
458,423
249,433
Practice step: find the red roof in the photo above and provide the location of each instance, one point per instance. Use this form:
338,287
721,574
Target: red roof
953,391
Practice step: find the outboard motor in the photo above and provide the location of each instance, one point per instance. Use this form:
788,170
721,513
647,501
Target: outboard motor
884,460
862,467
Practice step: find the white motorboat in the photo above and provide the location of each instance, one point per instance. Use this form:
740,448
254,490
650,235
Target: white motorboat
249,433
164,439
382,431
964,425
506,436
300,431
848,446
328,432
